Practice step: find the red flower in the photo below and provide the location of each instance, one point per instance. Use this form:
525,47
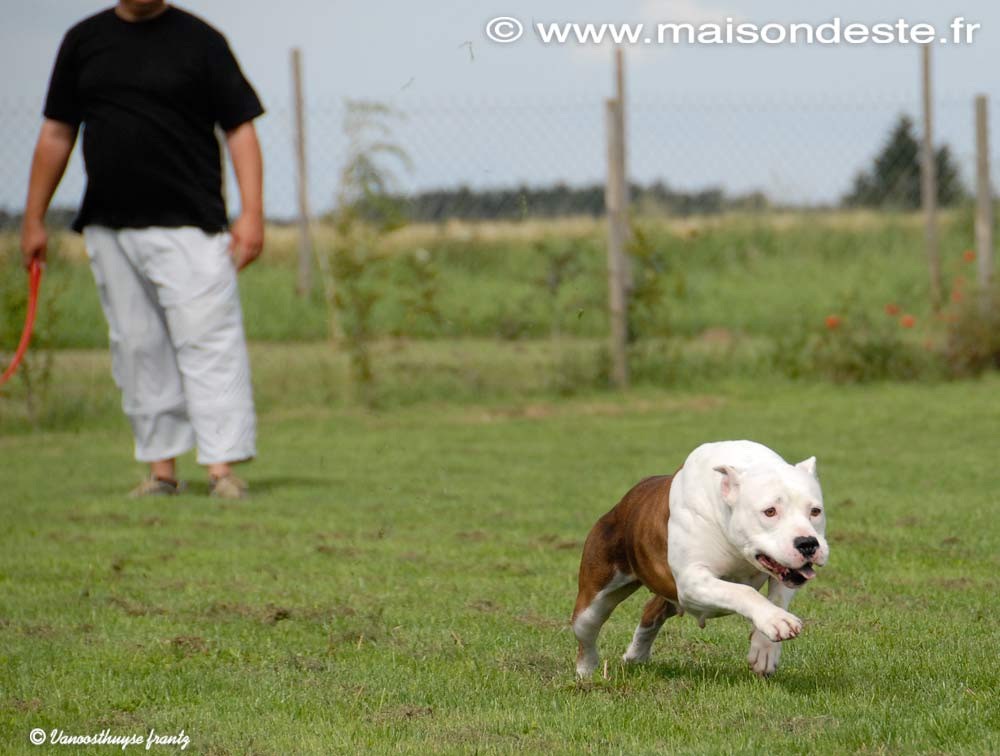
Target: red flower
957,295
907,321
832,322
969,256
892,309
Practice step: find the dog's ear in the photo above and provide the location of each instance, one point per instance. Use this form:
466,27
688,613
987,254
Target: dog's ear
730,486
809,466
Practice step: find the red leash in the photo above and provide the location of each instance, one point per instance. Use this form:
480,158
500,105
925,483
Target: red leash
34,281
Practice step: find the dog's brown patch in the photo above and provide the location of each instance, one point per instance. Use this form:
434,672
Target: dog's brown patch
631,540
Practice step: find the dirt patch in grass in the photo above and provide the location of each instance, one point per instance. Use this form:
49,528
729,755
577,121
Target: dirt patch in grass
40,630
538,666
275,614
230,610
348,552
271,614
602,686
402,713
189,645
559,543
483,605
22,705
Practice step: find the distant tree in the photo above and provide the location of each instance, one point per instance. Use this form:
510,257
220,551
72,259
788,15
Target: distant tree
56,218
561,200
950,189
894,178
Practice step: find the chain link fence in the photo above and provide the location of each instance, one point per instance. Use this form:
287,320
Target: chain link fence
493,158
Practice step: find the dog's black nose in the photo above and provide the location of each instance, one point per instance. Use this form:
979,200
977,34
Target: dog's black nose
806,545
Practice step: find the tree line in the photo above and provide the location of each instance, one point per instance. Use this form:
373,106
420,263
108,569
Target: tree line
892,182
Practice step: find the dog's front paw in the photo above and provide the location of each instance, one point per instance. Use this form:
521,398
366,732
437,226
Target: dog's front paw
779,625
764,654
636,654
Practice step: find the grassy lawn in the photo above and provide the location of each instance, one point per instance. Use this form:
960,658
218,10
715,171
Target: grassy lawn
401,581
754,276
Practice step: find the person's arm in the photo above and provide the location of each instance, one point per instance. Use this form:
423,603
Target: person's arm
55,144
248,229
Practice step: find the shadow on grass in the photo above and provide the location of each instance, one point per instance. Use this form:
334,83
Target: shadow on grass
279,483
790,679
261,486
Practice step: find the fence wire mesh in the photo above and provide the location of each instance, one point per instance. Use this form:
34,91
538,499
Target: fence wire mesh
473,158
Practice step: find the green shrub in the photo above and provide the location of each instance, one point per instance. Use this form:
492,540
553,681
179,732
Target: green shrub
972,344
853,345
656,281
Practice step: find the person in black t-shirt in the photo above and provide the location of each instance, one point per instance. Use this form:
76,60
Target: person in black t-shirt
149,84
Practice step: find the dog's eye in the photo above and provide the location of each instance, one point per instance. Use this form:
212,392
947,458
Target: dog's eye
770,512
816,512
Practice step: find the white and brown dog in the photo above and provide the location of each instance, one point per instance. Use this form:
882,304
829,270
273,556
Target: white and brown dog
704,541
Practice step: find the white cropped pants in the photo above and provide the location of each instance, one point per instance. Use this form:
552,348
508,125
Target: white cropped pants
178,352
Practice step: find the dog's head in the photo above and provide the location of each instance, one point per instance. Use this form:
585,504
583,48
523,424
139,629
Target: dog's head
777,518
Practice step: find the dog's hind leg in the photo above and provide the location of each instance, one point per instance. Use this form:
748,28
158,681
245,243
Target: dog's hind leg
657,611
591,612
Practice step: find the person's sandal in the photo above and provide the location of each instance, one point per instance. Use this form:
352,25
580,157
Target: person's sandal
228,487
153,486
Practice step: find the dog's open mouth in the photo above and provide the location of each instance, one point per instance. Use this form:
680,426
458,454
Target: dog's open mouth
787,575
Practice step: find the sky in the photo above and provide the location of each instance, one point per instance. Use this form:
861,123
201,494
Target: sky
795,121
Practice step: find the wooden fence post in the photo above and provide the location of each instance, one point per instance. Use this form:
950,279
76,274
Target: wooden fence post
928,183
614,207
303,282
622,174
984,205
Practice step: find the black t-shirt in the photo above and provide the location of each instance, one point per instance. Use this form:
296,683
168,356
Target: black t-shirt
149,95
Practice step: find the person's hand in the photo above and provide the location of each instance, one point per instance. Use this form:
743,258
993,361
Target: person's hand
247,239
34,242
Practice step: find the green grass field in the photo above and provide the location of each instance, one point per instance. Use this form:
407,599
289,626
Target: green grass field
753,276
402,577
401,581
